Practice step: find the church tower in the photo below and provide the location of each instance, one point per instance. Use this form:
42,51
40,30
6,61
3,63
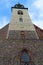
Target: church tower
21,26
22,31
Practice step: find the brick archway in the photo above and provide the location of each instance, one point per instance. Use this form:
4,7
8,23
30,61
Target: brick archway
29,58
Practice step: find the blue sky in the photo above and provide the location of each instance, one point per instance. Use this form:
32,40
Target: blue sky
35,10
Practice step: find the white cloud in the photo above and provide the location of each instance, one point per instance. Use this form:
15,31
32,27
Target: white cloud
38,4
37,22
41,14
3,22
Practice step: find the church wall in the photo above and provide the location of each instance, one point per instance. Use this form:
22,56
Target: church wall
26,34
10,51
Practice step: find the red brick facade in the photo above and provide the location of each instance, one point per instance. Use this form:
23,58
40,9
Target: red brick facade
39,32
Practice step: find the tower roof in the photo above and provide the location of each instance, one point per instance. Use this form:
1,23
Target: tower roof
19,6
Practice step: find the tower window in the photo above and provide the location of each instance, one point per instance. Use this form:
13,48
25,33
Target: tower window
20,19
20,12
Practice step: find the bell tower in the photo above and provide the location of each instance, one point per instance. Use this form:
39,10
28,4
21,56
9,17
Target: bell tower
20,26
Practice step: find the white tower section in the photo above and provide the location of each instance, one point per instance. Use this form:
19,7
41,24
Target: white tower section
20,21
23,24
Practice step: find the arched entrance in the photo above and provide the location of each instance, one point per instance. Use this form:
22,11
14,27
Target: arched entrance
25,59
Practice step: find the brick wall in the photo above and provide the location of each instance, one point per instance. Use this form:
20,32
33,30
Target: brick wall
4,32
10,51
39,32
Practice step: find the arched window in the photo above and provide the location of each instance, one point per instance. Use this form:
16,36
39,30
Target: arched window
25,58
20,12
21,19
